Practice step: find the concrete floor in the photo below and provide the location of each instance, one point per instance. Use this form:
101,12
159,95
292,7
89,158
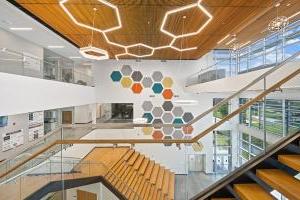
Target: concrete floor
187,186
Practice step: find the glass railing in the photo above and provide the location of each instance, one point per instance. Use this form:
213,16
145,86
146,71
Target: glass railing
215,132
66,133
55,169
14,62
264,53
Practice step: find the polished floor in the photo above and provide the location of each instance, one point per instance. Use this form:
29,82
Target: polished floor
187,186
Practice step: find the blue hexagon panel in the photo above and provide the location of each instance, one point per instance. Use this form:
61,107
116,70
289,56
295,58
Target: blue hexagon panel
148,116
157,88
116,76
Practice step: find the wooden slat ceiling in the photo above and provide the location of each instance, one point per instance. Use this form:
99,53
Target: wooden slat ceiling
141,21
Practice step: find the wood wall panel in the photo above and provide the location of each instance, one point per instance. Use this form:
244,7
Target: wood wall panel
141,20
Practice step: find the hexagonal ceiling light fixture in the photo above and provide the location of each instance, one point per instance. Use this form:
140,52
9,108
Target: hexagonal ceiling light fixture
115,8
198,4
94,53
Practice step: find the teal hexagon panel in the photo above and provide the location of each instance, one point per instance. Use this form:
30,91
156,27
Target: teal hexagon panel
116,76
157,88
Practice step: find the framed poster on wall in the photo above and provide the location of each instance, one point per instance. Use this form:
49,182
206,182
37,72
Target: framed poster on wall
12,139
36,125
3,121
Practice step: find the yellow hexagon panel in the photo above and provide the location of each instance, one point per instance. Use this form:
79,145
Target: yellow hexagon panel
147,130
167,82
126,82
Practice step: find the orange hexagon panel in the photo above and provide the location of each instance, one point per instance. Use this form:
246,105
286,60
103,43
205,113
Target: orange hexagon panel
157,135
137,88
188,129
168,94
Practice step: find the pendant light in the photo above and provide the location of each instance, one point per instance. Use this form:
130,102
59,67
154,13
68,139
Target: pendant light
92,52
279,22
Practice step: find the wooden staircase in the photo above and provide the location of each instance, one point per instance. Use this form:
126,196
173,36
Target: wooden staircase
138,177
275,171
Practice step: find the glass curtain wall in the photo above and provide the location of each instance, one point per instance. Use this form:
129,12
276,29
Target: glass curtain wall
281,116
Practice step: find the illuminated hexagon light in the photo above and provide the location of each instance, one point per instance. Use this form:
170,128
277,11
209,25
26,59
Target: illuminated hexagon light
93,53
115,8
116,76
198,4
139,45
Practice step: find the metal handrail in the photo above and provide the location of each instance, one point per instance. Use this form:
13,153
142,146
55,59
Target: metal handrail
164,141
245,167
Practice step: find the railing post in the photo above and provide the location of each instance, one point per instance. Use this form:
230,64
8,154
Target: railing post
264,117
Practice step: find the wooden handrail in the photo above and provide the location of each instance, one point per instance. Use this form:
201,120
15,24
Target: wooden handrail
165,141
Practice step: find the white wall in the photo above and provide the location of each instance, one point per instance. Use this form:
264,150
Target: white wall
21,94
108,91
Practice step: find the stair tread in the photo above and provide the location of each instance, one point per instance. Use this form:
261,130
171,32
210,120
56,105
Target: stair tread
281,181
249,191
138,162
149,170
144,165
128,154
154,173
160,177
293,161
171,191
133,158
165,187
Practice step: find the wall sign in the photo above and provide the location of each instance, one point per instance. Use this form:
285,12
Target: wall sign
12,139
36,125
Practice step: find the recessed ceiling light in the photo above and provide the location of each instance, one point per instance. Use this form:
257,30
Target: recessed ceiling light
55,47
288,4
294,15
75,57
20,28
277,4
224,38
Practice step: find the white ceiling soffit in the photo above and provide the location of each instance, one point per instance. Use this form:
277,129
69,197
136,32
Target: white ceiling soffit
11,16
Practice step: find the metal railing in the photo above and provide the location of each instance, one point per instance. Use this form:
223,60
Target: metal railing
14,62
260,54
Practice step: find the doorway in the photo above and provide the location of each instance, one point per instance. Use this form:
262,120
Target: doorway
84,195
67,117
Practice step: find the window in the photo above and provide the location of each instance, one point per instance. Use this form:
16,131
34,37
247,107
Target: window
222,111
222,151
293,115
244,115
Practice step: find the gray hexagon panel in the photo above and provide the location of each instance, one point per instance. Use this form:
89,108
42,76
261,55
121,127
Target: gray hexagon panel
167,105
168,130
167,118
157,111
147,105
126,70
177,111
157,76
137,76
178,134
157,121
188,116
147,82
